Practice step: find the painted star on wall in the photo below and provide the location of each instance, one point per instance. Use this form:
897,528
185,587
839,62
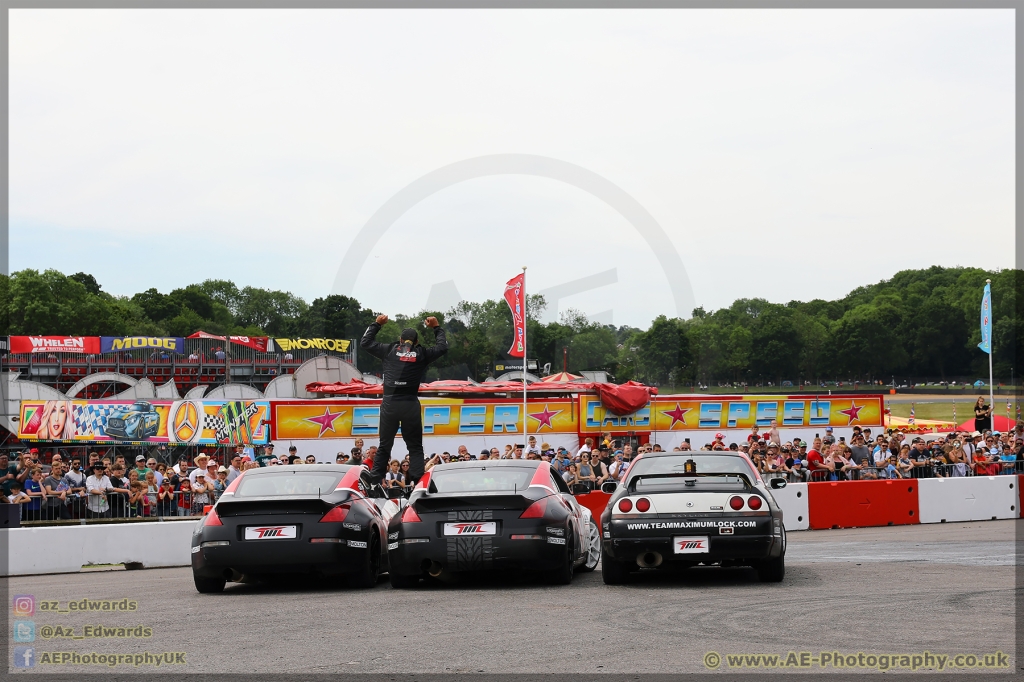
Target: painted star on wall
852,412
677,415
544,417
325,421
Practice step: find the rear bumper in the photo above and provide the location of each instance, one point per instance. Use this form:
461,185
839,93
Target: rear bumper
547,551
747,547
732,538
277,556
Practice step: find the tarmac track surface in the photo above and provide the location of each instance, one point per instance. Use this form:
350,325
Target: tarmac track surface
942,588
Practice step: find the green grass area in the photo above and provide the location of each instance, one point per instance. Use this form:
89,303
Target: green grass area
937,410
944,410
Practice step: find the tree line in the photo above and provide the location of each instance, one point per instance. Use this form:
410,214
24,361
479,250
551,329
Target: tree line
919,323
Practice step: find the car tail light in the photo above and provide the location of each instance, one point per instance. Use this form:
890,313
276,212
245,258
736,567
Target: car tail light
736,502
754,502
536,510
643,504
336,514
212,519
410,515
625,506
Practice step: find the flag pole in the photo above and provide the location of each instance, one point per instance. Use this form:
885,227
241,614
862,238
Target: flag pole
524,358
991,392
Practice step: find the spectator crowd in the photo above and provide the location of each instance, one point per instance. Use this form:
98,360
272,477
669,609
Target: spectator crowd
104,487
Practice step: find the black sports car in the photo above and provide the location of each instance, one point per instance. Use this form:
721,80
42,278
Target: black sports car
321,519
505,514
138,422
688,508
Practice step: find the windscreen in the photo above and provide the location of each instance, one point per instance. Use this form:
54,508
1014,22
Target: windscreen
312,483
706,465
484,479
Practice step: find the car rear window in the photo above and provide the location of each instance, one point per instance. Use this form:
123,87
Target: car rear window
288,483
484,479
706,465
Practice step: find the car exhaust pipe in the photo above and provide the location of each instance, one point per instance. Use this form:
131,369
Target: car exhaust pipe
435,569
232,576
649,560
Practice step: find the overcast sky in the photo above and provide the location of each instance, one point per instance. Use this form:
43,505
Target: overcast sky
789,154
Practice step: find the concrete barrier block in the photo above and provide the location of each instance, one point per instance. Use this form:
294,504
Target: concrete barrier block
65,549
793,500
975,498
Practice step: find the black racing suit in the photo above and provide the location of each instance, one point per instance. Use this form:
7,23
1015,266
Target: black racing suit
404,367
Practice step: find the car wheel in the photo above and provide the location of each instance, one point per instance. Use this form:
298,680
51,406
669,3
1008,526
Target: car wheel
592,548
772,570
370,570
403,582
208,585
563,574
614,572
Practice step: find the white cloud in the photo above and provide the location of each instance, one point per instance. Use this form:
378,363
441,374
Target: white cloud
789,154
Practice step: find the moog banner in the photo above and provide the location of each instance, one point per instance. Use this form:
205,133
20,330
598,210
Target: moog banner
201,422
441,417
113,344
687,412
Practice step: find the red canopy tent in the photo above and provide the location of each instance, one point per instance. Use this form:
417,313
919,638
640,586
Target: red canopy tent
999,423
561,377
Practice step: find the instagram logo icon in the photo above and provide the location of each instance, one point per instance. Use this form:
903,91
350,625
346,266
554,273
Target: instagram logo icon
24,604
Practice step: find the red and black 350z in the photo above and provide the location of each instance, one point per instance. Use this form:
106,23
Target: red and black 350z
476,516
315,519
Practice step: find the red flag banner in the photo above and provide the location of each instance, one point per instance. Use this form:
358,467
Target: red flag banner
515,296
258,343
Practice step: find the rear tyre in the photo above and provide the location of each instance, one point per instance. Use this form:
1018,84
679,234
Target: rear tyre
772,570
614,572
370,570
208,585
403,582
563,574
592,549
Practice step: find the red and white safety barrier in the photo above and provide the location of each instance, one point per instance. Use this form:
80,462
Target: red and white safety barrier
861,504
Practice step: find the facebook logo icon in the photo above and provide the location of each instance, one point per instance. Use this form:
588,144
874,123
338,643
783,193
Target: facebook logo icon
24,657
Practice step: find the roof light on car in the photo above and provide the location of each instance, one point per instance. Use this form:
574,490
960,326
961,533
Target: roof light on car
754,502
625,506
643,504
736,502
336,514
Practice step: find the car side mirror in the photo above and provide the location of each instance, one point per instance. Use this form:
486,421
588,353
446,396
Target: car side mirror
777,483
609,487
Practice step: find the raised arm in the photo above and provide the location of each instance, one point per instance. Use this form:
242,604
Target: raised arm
440,346
368,342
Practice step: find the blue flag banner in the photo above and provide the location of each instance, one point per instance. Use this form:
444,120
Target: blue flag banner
113,344
986,320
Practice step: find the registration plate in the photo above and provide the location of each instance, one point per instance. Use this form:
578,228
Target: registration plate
471,528
270,532
690,545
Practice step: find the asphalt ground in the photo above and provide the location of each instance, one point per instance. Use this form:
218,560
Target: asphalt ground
943,588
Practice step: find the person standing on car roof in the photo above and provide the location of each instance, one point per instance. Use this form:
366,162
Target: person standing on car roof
405,363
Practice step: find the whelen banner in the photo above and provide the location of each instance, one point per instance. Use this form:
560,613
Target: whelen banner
55,344
113,344
286,345
200,422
